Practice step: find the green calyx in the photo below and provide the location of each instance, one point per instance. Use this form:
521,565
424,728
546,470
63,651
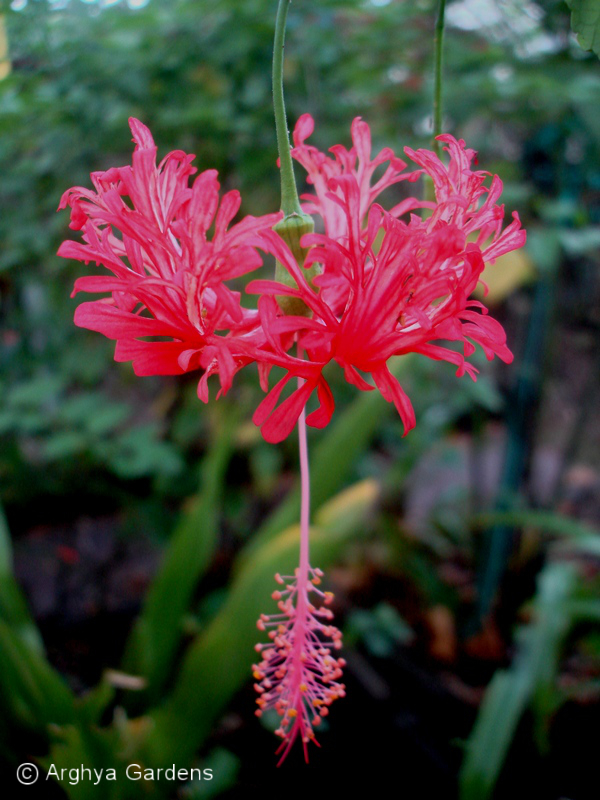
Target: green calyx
291,229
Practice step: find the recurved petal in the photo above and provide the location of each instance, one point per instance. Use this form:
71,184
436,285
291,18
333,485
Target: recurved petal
281,422
115,323
394,393
151,358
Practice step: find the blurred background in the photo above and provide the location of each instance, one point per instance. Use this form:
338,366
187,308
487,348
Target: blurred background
141,529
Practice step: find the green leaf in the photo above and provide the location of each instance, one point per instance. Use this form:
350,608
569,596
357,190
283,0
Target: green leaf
93,704
34,694
139,452
64,444
505,701
529,680
158,631
580,241
546,521
34,392
380,628
585,22
218,662
13,608
77,746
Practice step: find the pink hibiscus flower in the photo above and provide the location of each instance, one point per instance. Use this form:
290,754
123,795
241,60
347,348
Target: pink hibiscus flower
387,287
169,307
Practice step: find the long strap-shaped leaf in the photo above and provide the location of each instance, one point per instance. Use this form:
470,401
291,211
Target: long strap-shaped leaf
549,522
529,679
33,696
13,608
31,692
157,633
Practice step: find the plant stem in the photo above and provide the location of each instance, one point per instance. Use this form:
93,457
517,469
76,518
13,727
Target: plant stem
305,499
437,87
302,578
304,492
290,204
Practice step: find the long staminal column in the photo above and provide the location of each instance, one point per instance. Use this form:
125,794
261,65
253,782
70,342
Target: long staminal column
298,676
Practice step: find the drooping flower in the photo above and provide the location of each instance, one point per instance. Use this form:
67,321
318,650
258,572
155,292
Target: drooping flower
298,676
387,287
169,307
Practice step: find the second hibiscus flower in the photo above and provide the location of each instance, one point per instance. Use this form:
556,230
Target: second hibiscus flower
391,282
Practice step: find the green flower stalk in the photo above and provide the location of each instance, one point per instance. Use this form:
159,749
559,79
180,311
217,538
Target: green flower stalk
295,222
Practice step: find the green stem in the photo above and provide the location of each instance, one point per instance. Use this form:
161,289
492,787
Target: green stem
437,89
290,204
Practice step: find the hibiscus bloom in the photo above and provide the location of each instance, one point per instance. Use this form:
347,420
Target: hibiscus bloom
387,287
169,308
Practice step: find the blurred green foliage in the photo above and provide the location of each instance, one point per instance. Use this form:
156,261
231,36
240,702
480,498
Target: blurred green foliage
585,21
563,602
74,426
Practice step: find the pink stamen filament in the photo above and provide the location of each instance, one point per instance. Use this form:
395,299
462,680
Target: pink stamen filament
298,676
